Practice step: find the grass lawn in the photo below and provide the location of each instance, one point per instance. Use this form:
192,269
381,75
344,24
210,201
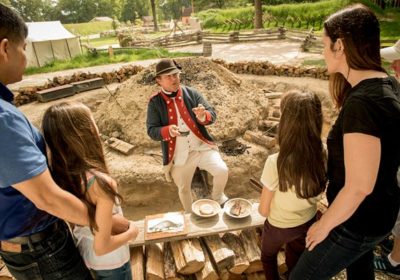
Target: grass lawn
83,29
102,58
98,42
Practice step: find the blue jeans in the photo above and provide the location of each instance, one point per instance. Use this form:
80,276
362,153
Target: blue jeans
341,249
53,258
122,273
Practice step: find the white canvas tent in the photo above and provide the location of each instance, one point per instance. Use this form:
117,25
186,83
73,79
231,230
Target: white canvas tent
48,41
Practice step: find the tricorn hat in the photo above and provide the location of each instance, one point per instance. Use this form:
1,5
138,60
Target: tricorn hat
166,67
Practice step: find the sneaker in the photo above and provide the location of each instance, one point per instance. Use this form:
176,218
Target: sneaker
386,245
383,264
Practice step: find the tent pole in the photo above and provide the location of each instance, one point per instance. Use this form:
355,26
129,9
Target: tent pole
52,50
69,51
80,43
34,50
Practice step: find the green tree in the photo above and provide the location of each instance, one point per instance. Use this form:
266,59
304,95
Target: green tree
76,11
134,9
171,9
30,10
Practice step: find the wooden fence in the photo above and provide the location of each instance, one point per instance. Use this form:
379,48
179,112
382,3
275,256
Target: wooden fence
180,40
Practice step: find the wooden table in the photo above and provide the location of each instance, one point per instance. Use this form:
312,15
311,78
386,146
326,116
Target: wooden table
199,226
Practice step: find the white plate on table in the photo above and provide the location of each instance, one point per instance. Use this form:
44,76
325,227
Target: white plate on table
206,208
243,211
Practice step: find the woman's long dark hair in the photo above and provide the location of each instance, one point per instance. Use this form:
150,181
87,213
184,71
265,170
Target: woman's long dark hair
358,28
75,149
301,159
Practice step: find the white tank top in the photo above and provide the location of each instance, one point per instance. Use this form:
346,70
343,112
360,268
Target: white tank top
84,242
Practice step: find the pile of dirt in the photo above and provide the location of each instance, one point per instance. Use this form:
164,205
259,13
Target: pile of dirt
239,104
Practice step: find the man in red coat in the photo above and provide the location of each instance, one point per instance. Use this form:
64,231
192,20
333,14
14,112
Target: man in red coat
177,116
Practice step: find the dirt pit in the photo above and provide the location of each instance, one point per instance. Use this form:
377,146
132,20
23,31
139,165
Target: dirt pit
240,101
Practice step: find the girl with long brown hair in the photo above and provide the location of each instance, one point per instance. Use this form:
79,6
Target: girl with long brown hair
293,181
363,152
78,166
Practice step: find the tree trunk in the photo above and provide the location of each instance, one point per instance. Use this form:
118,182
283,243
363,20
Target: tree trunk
153,10
258,24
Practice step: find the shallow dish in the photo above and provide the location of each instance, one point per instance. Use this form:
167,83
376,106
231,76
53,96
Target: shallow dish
206,208
242,208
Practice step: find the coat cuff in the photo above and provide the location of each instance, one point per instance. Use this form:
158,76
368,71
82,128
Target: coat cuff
205,120
165,133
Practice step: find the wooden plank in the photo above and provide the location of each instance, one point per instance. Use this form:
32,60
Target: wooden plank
88,84
198,226
55,93
119,145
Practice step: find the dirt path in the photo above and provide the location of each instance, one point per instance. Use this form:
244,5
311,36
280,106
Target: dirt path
277,52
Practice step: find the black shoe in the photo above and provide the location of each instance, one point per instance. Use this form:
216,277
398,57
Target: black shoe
383,264
386,245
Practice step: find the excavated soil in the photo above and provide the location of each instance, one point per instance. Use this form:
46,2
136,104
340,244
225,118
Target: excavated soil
240,102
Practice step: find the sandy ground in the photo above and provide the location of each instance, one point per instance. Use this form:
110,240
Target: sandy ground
140,175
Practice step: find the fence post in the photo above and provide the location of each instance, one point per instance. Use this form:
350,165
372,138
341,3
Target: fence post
234,37
207,49
199,37
282,33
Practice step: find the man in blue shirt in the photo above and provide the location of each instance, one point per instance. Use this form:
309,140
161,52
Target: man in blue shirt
34,242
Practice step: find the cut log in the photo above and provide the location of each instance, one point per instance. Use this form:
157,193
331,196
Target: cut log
259,139
274,119
270,127
240,263
256,276
188,255
226,275
273,95
219,251
169,263
249,239
137,263
154,263
208,272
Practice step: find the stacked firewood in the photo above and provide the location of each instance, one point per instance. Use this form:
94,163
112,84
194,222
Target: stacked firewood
226,256
28,94
267,68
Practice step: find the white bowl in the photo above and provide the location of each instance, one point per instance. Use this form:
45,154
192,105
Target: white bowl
245,207
206,208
